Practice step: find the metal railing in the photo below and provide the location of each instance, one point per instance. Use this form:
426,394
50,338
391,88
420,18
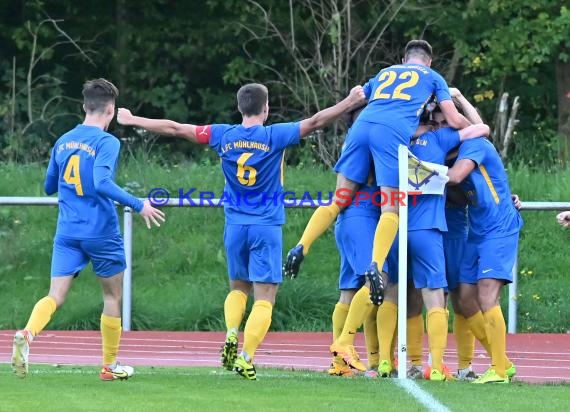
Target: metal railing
128,239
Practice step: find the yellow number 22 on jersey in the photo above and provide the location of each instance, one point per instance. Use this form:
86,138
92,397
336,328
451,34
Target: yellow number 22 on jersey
242,168
72,175
389,77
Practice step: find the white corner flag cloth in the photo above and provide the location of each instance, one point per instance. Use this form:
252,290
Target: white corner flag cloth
425,177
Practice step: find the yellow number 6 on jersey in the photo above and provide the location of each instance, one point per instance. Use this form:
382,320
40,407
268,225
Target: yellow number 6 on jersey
242,168
72,175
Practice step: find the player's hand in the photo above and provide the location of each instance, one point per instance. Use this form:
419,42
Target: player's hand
455,93
357,96
564,219
516,201
293,262
124,116
151,214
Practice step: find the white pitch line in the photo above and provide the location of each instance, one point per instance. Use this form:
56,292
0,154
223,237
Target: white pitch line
423,397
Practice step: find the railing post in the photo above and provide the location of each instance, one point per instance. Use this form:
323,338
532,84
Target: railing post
127,278
513,287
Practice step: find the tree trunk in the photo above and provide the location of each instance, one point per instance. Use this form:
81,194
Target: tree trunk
563,89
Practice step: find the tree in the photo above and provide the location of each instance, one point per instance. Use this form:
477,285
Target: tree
526,41
316,50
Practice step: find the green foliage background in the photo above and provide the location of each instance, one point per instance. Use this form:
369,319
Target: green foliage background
184,60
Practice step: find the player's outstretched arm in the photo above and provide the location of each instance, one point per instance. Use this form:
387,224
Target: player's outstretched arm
356,98
159,126
564,219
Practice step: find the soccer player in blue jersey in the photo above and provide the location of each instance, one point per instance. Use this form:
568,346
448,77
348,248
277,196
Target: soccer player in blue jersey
396,98
490,252
454,241
354,234
81,171
426,223
398,95
252,164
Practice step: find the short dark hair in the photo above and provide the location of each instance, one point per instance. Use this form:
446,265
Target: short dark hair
251,99
97,94
418,48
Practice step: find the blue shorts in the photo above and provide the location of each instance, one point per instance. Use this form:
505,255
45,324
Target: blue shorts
489,259
70,256
426,264
354,239
383,144
453,249
355,159
254,252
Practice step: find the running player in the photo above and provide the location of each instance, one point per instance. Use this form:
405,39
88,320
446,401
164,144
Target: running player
490,252
252,161
81,170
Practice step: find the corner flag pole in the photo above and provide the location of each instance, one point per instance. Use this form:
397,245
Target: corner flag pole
403,262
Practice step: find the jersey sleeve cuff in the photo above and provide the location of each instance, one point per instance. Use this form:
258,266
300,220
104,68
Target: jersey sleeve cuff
138,206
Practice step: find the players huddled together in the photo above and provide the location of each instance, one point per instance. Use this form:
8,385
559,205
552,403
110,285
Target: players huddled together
461,245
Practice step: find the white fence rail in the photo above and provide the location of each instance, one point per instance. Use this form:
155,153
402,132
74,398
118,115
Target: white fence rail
128,239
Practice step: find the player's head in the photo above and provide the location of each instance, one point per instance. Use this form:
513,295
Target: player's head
418,50
99,98
437,118
253,100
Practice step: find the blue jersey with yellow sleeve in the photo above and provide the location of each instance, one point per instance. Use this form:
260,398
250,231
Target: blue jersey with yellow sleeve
398,94
81,171
492,213
252,163
429,210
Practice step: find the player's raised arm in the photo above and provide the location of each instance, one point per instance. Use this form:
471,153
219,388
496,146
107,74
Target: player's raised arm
356,98
478,128
163,127
466,107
